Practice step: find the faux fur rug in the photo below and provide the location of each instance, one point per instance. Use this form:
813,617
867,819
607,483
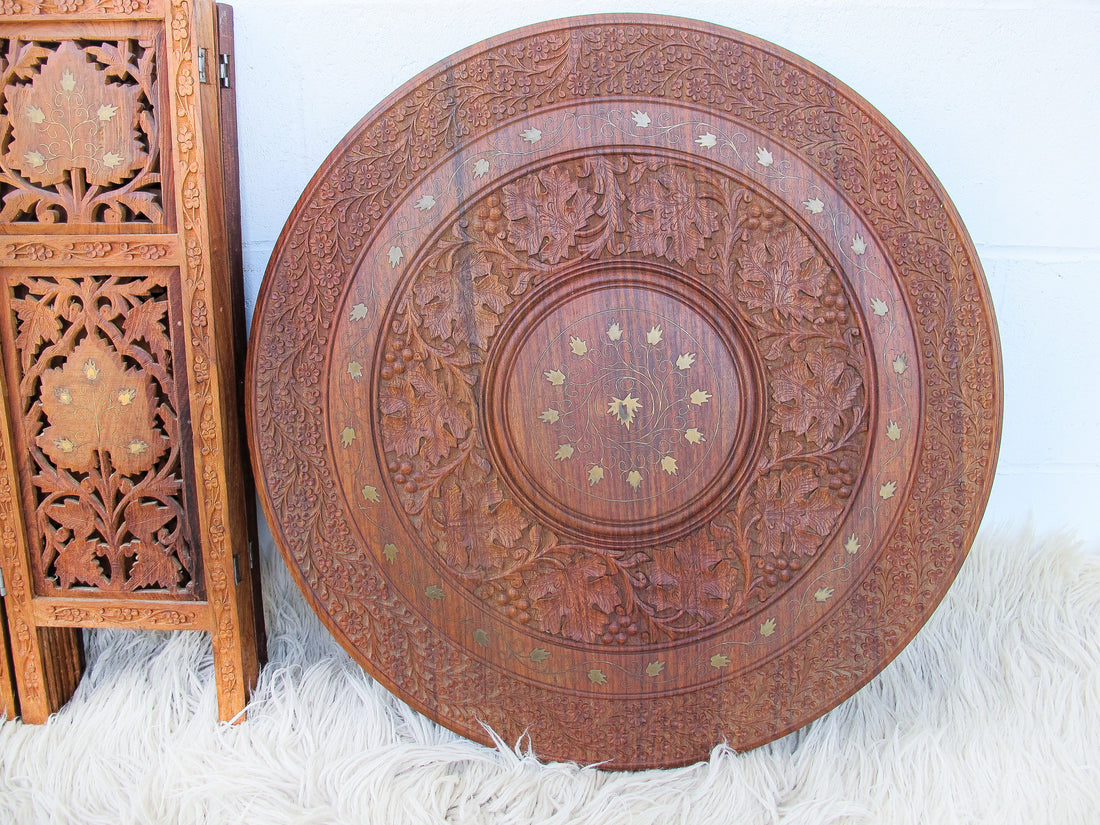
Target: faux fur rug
992,715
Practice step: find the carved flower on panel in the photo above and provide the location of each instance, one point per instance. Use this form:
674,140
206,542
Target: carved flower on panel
94,404
69,117
545,211
669,215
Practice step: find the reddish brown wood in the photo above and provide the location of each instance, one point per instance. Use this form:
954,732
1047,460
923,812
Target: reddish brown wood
625,382
9,700
124,502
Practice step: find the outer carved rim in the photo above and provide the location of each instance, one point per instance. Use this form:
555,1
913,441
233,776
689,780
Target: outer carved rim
906,573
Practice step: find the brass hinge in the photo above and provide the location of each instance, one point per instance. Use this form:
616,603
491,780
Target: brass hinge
202,65
223,70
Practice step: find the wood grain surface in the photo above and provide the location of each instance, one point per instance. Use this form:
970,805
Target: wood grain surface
625,383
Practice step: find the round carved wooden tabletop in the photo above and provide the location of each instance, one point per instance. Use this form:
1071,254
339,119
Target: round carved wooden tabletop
626,382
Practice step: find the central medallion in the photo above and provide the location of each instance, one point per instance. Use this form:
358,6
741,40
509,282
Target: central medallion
621,407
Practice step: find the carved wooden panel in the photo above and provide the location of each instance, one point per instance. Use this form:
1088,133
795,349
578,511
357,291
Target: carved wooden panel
659,391
80,134
99,417
123,499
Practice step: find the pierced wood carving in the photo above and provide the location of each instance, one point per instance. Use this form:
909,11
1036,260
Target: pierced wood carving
80,137
123,502
659,391
102,428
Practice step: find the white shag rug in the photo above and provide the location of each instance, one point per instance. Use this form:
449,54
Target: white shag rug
992,715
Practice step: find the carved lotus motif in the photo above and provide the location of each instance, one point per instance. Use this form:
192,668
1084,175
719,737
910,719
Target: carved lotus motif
94,405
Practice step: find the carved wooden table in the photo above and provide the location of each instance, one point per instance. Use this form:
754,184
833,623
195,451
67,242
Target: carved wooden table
627,382
123,498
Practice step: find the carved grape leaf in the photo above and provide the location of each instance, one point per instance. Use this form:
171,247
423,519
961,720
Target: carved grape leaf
796,511
154,564
575,599
670,215
72,123
698,581
782,273
508,524
462,300
814,394
146,322
82,401
77,562
38,325
418,414
545,211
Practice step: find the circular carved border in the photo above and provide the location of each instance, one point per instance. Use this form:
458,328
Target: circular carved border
480,117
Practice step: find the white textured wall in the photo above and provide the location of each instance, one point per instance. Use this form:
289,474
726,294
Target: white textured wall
1001,97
